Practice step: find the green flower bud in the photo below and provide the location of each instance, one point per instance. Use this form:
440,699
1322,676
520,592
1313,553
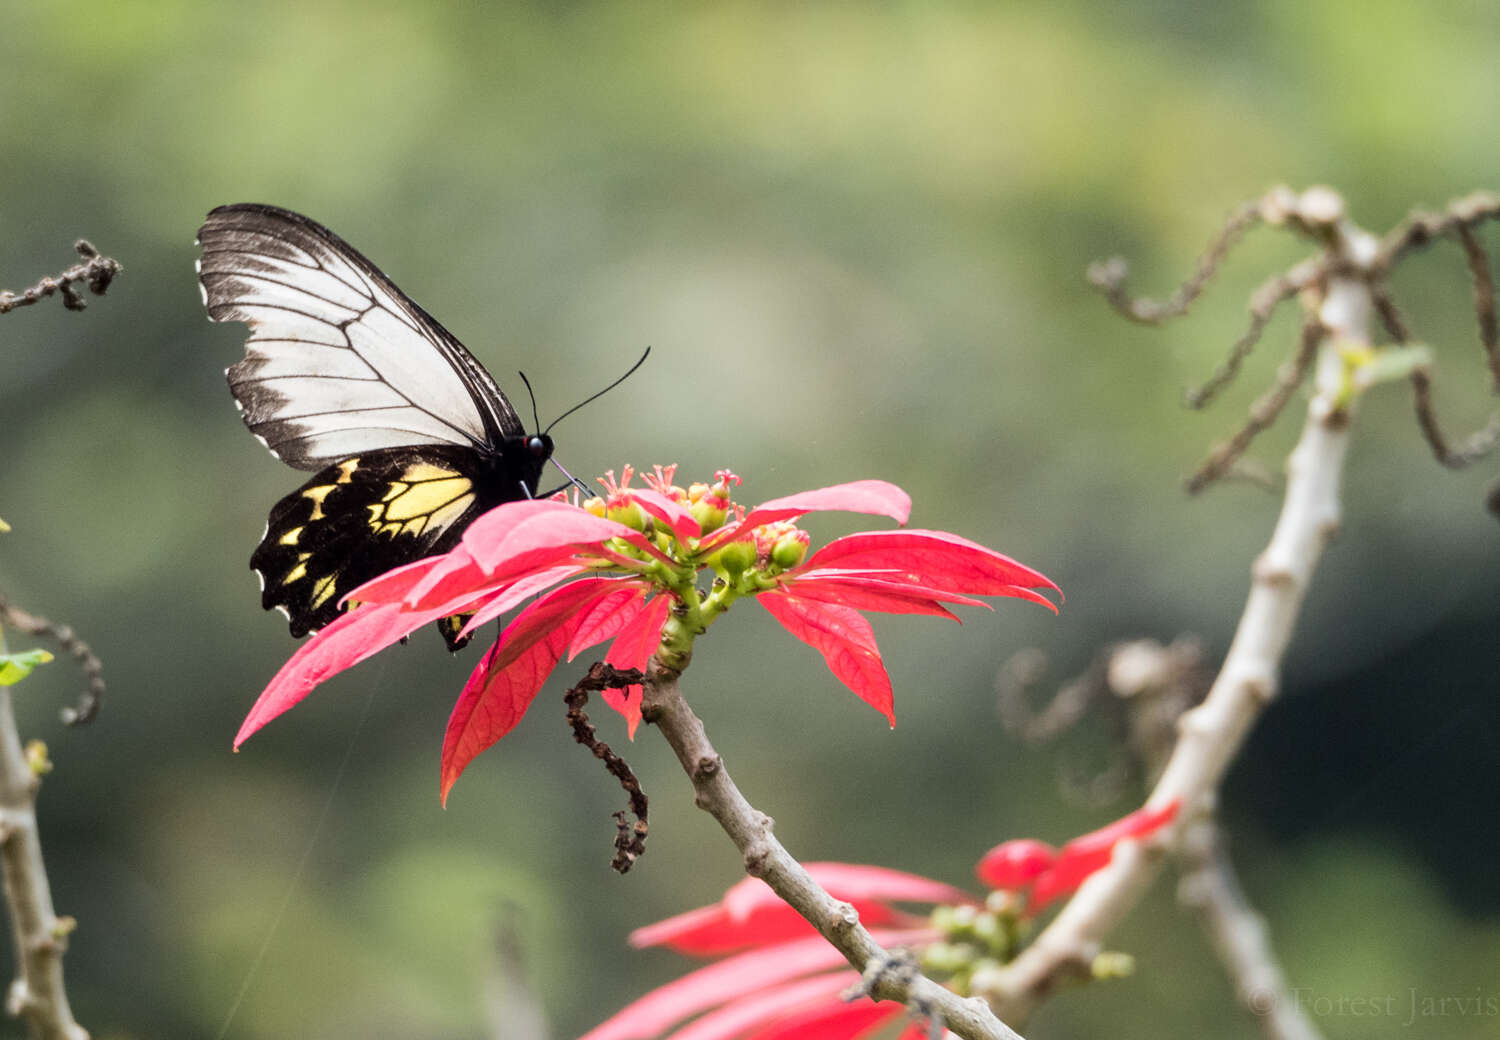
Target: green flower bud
626,511
790,549
733,559
709,510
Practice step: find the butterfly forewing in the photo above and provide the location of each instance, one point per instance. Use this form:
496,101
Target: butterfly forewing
344,374
339,360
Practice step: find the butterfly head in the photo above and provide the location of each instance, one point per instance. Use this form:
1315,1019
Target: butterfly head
539,447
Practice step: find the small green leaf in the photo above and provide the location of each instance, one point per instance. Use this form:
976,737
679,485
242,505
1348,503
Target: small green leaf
15,667
1390,364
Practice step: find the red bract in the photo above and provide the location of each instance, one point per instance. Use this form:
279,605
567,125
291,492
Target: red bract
625,570
789,983
1051,874
750,914
777,980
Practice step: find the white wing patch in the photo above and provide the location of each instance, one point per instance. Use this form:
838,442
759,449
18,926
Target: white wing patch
339,361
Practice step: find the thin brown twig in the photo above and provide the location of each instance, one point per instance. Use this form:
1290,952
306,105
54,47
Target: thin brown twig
630,839
95,271
1473,447
1264,411
1422,229
766,858
1110,276
1390,315
1263,303
1484,301
87,706
1483,440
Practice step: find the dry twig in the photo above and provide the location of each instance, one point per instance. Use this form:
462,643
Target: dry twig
1263,412
95,271
88,703
630,839
1110,276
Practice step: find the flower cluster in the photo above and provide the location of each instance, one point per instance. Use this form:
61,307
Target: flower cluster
625,569
779,980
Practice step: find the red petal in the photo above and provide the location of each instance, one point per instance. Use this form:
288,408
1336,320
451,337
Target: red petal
835,1020
863,881
933,558
766,1006
713,930
845,640
875,497
633,646
1013,864
711,986
751,914
348,639
608,615
671,512
510,538
394,584
866,593
862,496
454,574
1091,852
512,594
850,881
507,680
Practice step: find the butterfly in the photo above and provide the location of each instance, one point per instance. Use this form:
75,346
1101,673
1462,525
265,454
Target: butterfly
408,436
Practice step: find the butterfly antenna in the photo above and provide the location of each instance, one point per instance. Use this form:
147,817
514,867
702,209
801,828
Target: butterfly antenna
532,394
580,485
600,394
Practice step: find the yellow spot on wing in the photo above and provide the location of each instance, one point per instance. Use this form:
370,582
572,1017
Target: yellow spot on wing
347,468
428,498
295,574
420,471
290,538
317,494
323,591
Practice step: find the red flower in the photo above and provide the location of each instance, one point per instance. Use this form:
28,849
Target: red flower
625,571
1014,865
789,983
778,980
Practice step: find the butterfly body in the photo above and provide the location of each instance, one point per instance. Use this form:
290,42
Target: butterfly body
409,437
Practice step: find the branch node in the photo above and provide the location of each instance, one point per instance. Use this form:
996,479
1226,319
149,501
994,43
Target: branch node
843,917
758,855
706,767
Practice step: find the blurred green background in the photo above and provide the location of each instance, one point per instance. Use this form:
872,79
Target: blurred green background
854,236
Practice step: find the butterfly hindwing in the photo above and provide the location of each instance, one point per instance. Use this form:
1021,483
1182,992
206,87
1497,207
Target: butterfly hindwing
359,518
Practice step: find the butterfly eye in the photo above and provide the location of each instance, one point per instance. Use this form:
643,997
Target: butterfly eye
538,446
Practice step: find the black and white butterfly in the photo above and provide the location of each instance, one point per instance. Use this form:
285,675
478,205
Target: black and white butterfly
343,374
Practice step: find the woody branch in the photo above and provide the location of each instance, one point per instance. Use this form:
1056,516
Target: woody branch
766,858
1339,307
